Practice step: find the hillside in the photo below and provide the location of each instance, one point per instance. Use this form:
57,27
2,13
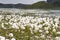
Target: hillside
37,5
55,2
43,5
19,5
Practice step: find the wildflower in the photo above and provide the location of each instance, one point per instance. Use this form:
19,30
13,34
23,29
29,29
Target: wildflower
13,39
39,26
15,26
42,36
36,37
57,38
54,30
46,28
40,30
6,39
11,34
58,32
2,38
47,32
22,27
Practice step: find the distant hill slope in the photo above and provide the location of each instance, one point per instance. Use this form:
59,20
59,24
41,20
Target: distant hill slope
55,2
37,5
19,5
43,5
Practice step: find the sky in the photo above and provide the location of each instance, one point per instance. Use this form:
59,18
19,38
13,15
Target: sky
19,1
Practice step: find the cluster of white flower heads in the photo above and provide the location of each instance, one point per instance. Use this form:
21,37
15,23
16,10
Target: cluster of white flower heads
3,38
44,25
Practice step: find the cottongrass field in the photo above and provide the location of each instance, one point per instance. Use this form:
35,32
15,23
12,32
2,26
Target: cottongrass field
23,27
16,27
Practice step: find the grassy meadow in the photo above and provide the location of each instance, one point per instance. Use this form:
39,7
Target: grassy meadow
21,25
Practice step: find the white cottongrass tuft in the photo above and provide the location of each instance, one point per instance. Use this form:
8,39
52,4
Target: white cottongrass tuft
13,39
58,32
2,38
11,34
57,38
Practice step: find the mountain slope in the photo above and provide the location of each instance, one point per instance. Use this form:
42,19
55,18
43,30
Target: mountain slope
37,5
43,5
19,5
